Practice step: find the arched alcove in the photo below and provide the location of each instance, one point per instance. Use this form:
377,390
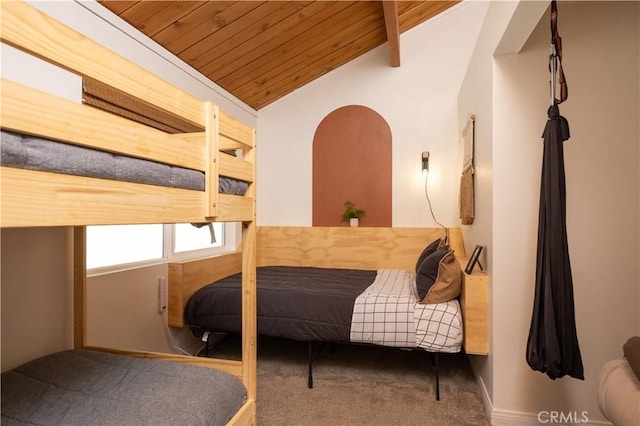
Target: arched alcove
352,160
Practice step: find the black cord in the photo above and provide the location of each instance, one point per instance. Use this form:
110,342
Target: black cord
426,193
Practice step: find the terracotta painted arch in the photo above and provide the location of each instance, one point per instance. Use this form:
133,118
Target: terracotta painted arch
352,161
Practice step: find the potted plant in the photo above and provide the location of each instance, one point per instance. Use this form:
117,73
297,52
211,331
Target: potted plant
352,214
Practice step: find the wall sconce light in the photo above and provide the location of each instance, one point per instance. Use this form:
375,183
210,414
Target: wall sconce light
425,162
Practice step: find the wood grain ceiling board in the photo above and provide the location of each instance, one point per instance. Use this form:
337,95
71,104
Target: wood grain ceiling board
317,46
417,12
184,30
250,27
262,50
159,20
273,37
118,7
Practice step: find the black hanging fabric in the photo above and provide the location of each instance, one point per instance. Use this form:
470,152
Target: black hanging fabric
552,346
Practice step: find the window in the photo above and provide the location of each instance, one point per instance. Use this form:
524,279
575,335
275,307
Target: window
188,237
117,245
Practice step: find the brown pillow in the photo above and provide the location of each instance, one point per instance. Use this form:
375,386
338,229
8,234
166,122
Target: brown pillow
447,284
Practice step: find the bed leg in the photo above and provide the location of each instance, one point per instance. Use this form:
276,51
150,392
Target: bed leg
205,338
311,357
437,373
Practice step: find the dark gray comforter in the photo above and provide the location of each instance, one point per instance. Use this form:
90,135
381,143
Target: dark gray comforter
80,387
299,303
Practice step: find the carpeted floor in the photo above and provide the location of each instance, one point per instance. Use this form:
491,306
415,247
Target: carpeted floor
361,385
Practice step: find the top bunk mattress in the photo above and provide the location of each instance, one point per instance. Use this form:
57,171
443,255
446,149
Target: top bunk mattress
35,153
82,387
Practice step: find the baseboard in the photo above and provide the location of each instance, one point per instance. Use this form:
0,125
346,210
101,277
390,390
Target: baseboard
486,399
517,418
513,418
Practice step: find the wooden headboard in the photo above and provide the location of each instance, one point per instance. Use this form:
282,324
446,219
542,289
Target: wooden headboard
345,247
341,247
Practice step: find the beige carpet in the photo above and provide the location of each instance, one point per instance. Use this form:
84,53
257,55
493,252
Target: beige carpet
361,385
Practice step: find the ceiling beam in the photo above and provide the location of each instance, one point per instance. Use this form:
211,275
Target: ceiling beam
390,9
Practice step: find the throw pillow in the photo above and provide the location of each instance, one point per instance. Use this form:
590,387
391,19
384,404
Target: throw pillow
427,272
431,248
447,283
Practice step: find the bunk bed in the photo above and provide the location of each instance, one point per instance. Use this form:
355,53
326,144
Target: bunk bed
124,115
319,308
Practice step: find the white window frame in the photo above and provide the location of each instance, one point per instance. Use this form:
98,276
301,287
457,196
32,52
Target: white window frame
232,236
230,232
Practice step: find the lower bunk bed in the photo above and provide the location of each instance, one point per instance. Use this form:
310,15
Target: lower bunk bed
81,387
113,386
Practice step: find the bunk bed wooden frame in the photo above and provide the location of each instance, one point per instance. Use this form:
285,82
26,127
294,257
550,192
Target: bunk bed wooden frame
35,199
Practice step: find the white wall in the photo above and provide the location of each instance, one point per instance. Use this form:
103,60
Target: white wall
37,295
419,102
123,312
476,96
506,27
601,45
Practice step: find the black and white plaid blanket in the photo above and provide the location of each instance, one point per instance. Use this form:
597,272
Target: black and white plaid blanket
439,326
388,313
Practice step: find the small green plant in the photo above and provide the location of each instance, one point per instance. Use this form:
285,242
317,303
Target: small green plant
351,211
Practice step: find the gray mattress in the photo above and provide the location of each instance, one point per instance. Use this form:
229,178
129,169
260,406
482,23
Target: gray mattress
34,153
80,387
299,303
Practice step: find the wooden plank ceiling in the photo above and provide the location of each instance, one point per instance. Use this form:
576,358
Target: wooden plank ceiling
262,50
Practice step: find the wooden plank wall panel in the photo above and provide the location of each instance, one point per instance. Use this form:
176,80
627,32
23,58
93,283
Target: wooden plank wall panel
343,247
475,302
186,277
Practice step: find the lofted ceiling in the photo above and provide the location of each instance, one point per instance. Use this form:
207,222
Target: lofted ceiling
260,51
